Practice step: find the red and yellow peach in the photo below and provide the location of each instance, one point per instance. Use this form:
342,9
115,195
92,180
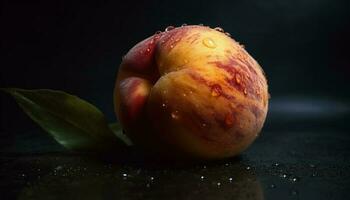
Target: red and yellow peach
191,92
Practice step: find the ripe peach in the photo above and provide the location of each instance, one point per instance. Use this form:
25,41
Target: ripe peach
191,92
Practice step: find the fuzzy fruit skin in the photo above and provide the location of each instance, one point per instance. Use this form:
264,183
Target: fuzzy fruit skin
191,92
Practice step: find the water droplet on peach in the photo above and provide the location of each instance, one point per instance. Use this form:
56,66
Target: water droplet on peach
228,34
219,29
208,42
245,91
169,28
215,93
216,90
184,24
175,115
148,49
171,46
238,78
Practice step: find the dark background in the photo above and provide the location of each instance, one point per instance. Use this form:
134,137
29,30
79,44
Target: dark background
302,45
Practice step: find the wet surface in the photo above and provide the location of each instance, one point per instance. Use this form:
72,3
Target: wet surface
294,158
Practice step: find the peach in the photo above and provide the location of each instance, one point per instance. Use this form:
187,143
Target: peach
191,92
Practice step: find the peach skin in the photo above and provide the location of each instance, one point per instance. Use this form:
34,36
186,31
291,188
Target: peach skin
191,92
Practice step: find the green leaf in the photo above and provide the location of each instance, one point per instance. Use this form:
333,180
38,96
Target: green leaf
73,122
118,131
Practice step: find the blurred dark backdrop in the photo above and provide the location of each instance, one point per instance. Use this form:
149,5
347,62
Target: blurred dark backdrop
301,44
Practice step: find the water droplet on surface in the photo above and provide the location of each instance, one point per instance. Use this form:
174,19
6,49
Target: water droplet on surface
175,114
226,164
151,178
125,175
248,168
202,177
276,164
184,94
272,186
158,32
184,24
204,125
204,167
312,166
284,175
228,34
58,168
171,46
148,185
148,49
219,29
218,184
294,179
163,105
169,28
208,42
230,179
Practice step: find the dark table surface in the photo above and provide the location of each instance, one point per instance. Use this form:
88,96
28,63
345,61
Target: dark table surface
301,154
